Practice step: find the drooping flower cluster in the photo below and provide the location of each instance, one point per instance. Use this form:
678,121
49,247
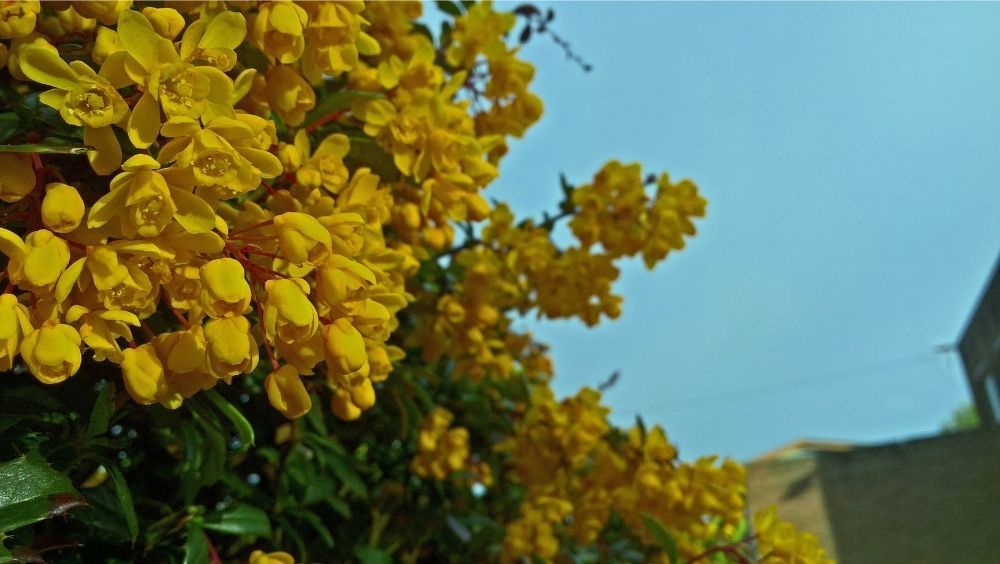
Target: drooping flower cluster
566,456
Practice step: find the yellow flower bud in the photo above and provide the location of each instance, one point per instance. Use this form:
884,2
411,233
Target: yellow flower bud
15,323
167,22
288,313
363,395
341,278
62,207
17,19
184,355
17,177
342,406
143,373
231,348
286,392
345,348
105,11
261,557
277,30
224,290
289,94
290,157
105,44
303,240
52,352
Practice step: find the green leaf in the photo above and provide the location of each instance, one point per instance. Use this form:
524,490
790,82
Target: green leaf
449,8
100,414
240,519
243,427
213,443
45,149
316,522
124,499
338,101
196,545
191,463
252,57
339,463
372,555
662,537
10,124
30,491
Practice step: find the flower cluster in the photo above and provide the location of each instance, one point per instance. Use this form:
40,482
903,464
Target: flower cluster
566,451
292,193
778,541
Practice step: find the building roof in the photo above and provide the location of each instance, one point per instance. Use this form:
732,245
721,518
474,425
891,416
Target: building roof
803,448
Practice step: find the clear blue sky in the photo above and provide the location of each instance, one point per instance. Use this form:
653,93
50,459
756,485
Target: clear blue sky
850,154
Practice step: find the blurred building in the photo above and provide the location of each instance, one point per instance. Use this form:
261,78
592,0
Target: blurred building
979,348
928,500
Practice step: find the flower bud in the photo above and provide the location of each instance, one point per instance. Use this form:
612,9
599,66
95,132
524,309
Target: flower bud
345,348
231,348
224,290
15,323
288,313
286,392
143,373
303,240
52,352
62,207
17,177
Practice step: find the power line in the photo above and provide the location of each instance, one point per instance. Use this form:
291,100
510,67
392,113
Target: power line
795,383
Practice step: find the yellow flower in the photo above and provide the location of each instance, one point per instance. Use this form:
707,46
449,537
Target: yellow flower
62,207
180,88
225,291
261,557
326,166
52,352
289,94
277,30
302,239
345,349
36,262
231,348
286,392
340,279
211,40
144,377
145,203
101,329
15,323
17,18
289,316
184,355
17,178
83,98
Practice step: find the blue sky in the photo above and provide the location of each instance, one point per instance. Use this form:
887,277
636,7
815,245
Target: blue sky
849,153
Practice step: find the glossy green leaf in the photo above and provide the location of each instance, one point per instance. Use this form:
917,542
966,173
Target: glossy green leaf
30,491
240,519
662,537
235,416
338,101
372,555
103,410
196,545
124,496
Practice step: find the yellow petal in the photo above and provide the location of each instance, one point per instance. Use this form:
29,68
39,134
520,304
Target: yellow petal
44,66
139,38
144,124
108,154
113,70
193,213
225,31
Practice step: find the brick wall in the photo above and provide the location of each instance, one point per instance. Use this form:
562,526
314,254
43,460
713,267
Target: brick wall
928,500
